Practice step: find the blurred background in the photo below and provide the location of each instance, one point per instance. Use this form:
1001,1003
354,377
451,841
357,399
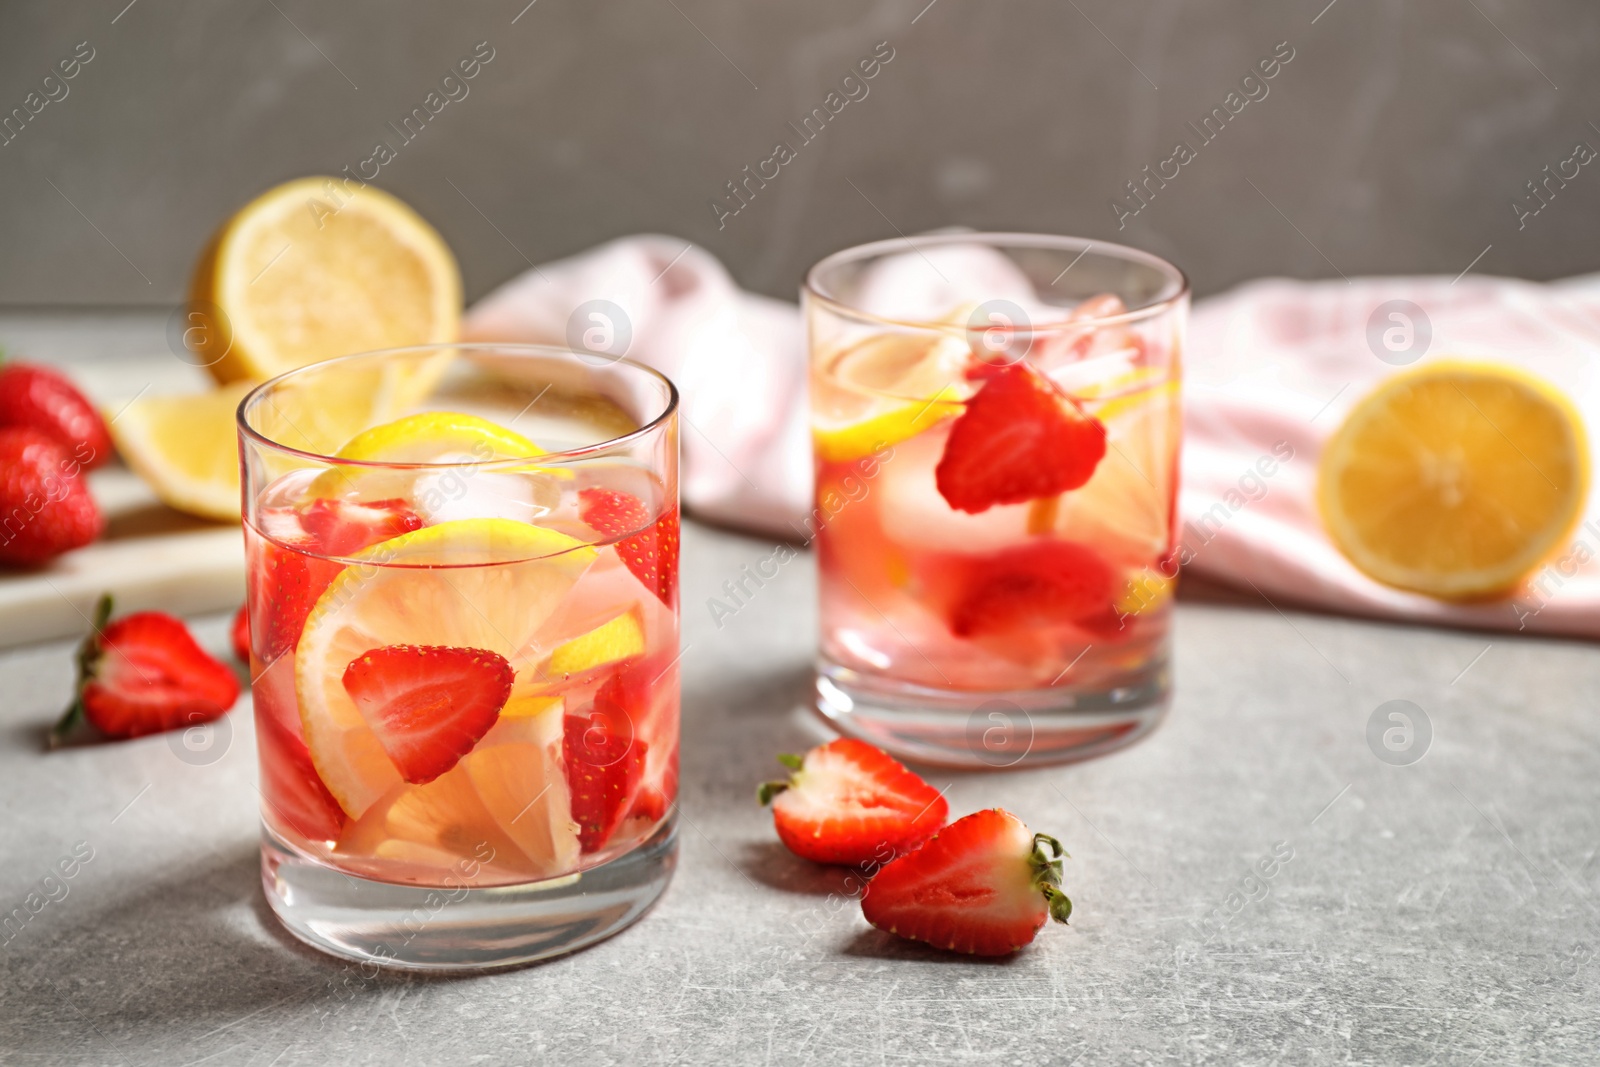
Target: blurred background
1399,138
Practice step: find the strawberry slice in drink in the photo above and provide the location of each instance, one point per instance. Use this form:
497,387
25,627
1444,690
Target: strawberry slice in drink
1019,439
650,550
427,705
1034,586
604,763
294,795
984,885
292,573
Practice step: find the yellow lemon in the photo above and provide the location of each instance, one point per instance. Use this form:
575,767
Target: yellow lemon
474,583
316,268
186,448
611,642
885,390
1456,479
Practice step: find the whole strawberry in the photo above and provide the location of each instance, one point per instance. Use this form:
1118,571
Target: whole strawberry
44,399
143,674
45,506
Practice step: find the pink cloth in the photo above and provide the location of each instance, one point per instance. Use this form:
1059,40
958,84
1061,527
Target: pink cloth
1271,369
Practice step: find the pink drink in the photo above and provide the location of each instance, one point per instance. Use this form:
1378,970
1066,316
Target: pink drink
464,631
995,513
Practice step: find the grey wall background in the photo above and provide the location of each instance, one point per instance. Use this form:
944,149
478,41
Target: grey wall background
1395,141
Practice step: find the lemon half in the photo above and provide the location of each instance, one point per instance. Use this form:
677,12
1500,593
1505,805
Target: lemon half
1456,479
317,268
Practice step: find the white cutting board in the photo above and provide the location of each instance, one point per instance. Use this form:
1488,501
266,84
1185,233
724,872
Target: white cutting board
150,555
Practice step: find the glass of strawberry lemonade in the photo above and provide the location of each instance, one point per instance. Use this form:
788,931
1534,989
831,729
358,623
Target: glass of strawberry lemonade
462,592
996,424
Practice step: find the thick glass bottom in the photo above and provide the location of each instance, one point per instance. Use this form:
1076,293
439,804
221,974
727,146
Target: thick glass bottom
991,730
416,928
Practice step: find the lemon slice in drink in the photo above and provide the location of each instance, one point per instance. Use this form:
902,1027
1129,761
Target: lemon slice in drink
1125,508
433,436
317,268
475,583
885,390
1455,480
611,642
428,437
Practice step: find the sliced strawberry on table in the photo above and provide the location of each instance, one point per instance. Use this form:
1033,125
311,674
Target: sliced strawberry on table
43,399
294,794
649,550
1020,438
604,763
984,885
145,673
850,803
1039,584
45,503
428,705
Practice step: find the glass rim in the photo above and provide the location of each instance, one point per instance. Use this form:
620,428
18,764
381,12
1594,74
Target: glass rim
1178,281
514,348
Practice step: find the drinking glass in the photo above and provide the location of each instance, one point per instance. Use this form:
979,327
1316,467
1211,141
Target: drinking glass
996,424
462,594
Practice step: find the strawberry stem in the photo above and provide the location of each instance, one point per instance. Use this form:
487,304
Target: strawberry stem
768,790
88,657
1047,875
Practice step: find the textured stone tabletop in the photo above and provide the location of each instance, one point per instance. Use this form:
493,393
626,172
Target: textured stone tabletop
1443,911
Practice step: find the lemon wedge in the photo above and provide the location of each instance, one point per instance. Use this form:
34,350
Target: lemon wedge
885,390
316,268
436,437
611,642
186,448
1456,479
474,583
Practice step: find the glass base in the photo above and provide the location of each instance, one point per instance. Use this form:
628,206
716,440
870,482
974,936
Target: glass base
416,928
975,730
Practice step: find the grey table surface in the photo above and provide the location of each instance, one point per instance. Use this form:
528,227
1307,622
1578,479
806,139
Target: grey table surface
1439,912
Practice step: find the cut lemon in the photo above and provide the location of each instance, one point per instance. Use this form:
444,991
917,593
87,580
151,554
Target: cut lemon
186,448
475,583
611,642
885,390
316,268
1455,480
1125,508
428,437
438,437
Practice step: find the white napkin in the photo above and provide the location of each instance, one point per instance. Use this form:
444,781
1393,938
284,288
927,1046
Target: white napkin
1271,369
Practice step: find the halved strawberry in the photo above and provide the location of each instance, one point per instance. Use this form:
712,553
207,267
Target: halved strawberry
294,794
145,673
1019,439
428,704
985,885
850,803
651,553
1035,585
604,763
